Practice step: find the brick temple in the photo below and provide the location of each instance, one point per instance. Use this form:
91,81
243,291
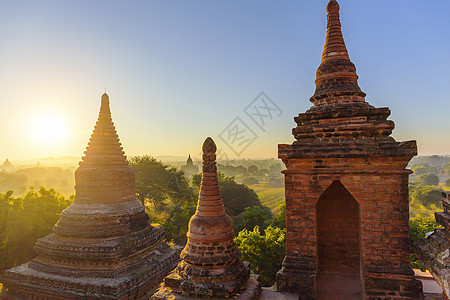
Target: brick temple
103,246
434,251
210,263
346,191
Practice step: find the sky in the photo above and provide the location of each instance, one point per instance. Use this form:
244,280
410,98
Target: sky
179,71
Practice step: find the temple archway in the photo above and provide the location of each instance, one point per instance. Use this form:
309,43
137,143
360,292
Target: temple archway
338,244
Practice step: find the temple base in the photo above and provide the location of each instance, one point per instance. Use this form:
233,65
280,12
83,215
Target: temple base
305,282
392,286
251,291
23,282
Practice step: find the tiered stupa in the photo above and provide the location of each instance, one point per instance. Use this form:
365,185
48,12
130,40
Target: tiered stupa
346,191
434,251
103,246
210,263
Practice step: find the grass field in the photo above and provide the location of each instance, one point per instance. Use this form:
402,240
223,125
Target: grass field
269,196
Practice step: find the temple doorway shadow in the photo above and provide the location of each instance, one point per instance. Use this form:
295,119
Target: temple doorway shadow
338,244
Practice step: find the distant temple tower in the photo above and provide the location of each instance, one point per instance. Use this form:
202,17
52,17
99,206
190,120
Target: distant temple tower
210,263
103,246
6,166
346,191
189,169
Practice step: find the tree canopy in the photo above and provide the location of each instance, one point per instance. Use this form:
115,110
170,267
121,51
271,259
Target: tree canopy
159,185
428,179
25,219
264,252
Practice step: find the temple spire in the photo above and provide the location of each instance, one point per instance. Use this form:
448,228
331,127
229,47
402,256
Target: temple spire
210,202
104,145
334,44
336,75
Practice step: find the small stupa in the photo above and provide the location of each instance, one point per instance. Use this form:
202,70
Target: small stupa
210,263
103,246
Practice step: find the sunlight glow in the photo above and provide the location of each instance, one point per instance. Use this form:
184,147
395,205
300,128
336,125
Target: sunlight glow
48,128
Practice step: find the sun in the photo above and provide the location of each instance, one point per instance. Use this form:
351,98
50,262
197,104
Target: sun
48,128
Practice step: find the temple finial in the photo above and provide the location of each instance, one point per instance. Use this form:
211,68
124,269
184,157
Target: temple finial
105,99
336,75
333,6
334,44
209,202
209,147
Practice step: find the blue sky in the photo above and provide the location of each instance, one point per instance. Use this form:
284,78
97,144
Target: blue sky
178,71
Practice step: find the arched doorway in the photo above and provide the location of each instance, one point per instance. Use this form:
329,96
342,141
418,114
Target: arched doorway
338,244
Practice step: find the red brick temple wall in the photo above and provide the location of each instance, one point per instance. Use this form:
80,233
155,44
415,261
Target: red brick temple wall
380,187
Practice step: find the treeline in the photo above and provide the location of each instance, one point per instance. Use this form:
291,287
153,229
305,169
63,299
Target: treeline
430,178
21,180
253,172
25,219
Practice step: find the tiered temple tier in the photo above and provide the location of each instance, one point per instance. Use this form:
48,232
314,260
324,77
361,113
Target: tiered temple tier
336,75
345,130
25,282
97,258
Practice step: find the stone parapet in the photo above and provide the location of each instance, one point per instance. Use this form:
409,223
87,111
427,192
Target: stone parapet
434,251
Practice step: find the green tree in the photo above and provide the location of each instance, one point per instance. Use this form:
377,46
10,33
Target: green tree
426,195
250,181
24,220
159,184
176,226
279,220
428,179
264,252
251,217
447,183
423,168
252,169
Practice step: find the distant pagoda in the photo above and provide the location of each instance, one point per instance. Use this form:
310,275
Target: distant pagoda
210,263
189,169
6,166
103,246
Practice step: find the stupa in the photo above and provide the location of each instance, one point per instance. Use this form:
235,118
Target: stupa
346,191
434,251
103,246
210,263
